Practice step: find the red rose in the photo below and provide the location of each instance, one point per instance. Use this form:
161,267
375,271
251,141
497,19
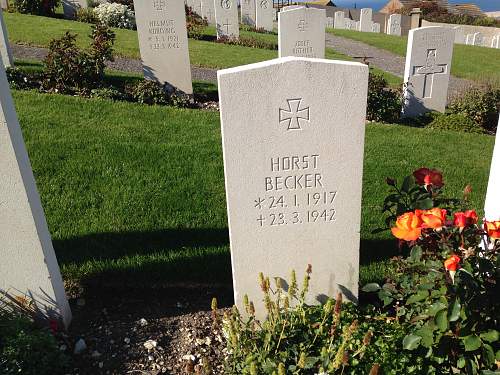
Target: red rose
451,264
463,219
429,177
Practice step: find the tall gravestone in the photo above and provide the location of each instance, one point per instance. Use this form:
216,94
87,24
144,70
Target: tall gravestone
226,18
492,204
163,42
248,12
365,20
5,52
495,42
329,22
469,39
264,14
375,27
29,266
293,162
394,25
339,20
459,35
301,32
427,70
70,7
478,39
357,25
208,11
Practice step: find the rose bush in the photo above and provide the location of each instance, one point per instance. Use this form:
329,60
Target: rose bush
447,290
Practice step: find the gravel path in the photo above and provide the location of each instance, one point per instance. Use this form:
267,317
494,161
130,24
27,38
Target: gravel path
387,61
120,63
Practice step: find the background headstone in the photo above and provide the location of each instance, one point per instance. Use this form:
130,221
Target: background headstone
495,42
293,168
492,204
226,18
357,25
365,21
329,22
29,266
301,32
5,52
163,42
208,11
4,4
196,7
478,39
394,25
469,39
339,22
247,12
376,27
349,24
459,35
264,14
427,70
70,7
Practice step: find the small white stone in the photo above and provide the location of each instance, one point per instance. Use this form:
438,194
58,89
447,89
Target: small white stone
101,364
80,346
126,340
143,322
150,344
189,357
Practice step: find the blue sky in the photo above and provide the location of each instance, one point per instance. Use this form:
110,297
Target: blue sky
486,5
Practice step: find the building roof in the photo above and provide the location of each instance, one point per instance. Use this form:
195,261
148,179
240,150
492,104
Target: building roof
326,3
394,5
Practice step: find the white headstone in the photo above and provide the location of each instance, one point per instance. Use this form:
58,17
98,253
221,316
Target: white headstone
5,52
29,266
469,39
4,4
264,14
495,42
478,39
208,11
190,3
247,12
196,7
301,32
357,25
70,7
376,27
427,70
226,18
492,204
459,35
329,22
275,14
339,22
293,162
394,25
349,24
365,21
163,42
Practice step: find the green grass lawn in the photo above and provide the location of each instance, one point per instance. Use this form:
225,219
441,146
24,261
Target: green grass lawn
135,194
476,63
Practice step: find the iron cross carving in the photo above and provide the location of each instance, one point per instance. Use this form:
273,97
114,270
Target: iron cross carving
428,71
294,114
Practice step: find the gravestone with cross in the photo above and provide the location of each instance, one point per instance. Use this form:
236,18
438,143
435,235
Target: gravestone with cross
338,21
394,25
293,162
478,39
264,15
196,7
5,51
248,12
365,20
71,7
28,271
375,27
226,18
163,42
427,70
492,203
301,32
207,11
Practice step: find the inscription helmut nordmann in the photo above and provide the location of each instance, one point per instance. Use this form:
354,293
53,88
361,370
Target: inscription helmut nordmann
294,114
295,193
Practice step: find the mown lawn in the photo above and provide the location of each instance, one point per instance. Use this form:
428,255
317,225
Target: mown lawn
135,194
476,63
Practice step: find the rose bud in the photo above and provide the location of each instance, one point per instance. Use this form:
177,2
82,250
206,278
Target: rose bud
428,177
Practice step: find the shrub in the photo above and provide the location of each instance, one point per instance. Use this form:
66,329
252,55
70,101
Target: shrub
251,42
447,289
457,122
20,80
37,7
195,24
152,92
69,69
109,93
26,349
481,106
115,15
86,15
384,103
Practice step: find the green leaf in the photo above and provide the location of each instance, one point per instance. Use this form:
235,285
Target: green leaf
426,333
472,342
371,287
416,254
417,297
442,320
411,342
489,354
425,204
454,310
490,336
408,183
435,308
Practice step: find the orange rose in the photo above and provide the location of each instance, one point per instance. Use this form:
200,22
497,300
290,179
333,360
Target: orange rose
451,264
408,227
463,219
429,177
493,229
433,219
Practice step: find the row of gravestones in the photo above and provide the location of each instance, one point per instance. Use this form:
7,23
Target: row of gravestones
366,24
476,39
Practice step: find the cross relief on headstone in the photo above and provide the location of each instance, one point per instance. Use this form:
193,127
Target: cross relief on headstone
428,71
226,24
294,114
302,26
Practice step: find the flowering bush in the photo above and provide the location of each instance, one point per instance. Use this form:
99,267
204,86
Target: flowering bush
115,15
448,289
38,7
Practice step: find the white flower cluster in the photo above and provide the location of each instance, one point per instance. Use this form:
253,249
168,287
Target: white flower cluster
115,15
